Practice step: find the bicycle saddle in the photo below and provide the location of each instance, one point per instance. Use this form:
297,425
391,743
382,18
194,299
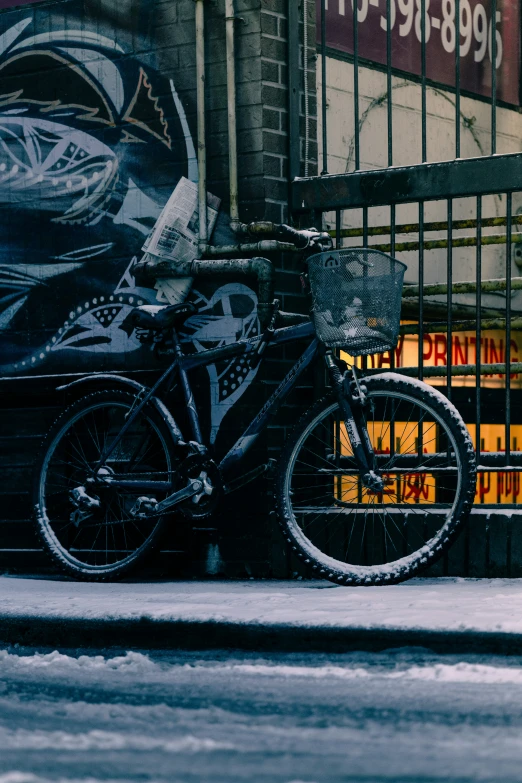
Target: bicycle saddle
159,317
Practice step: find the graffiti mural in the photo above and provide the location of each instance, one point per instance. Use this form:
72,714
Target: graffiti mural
93,140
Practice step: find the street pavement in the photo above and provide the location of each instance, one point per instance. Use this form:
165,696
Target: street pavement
280,682
404,716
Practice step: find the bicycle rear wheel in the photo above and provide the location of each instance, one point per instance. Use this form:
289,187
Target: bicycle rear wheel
104,542
352,535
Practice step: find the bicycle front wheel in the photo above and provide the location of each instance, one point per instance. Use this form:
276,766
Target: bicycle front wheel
352,535
104,541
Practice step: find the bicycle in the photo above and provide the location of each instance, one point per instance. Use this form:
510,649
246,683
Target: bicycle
375,482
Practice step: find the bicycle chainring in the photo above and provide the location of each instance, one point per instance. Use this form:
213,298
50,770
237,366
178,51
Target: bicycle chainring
203,505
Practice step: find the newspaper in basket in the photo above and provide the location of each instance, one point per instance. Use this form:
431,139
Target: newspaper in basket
356,296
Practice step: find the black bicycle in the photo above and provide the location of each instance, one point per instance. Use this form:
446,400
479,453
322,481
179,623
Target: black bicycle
373,485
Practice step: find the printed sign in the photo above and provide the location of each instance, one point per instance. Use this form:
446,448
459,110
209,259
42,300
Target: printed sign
502,487
463,351
475,44
492,488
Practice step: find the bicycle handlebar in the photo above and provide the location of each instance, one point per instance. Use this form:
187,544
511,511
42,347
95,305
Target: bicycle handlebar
300,238
293,235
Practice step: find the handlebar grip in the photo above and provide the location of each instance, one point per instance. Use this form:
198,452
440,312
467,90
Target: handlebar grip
289,234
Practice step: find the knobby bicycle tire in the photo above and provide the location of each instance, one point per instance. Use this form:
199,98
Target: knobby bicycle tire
52,510
309,529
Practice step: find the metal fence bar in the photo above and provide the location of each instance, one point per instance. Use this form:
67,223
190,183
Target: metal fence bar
457,79
492,460
486,324
493,45
508,322
389,86
463,370
338,240
466,177
487,286
478,301
441,225
356,84
449,279
365,244
434,244
421,291
323,88
423,78
392,251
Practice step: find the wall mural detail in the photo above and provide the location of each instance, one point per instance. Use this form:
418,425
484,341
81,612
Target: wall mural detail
227,316
92,143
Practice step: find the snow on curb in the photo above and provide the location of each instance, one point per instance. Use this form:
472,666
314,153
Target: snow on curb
292,614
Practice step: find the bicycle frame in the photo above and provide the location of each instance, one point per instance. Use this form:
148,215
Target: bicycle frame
180,367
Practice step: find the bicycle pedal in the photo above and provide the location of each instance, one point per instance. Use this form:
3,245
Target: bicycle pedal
144,506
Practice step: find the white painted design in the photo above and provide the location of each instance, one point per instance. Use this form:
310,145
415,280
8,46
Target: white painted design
33,274
191,150
99,329
42,160
9,313
136,206
86,252
19,280
85,36
46,163
209,329
10,36
173,290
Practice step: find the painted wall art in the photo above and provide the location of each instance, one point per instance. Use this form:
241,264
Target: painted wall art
93,139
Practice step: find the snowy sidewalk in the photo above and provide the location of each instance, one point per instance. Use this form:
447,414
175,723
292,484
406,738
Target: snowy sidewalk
442,614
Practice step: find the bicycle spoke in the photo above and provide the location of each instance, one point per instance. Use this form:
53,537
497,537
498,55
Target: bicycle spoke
103,535
337,513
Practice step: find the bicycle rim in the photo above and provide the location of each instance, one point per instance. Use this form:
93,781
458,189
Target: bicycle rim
112,537
350,530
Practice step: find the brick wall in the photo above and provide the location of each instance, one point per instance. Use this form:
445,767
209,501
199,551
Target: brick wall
159,39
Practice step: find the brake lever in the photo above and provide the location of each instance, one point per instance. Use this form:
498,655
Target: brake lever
321,240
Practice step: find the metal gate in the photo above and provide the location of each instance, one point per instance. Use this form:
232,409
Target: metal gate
452,221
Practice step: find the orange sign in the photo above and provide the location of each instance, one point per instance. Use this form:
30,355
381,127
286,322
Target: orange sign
408,488
463,351
502,487
492,488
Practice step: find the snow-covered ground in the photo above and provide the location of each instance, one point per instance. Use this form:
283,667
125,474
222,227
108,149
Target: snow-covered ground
401,716
222,716
451,604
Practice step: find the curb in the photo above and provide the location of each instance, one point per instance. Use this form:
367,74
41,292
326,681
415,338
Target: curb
148,634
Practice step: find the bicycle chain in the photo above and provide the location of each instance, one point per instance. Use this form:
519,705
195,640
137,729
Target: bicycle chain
169,474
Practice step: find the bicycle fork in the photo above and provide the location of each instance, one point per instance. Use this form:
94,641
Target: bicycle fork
356,427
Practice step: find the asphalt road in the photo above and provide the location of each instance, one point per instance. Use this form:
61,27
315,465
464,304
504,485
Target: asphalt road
217,718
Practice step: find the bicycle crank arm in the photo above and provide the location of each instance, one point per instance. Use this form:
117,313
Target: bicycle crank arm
193,488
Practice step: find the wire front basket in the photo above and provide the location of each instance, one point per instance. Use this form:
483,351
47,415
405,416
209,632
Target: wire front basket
356,296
